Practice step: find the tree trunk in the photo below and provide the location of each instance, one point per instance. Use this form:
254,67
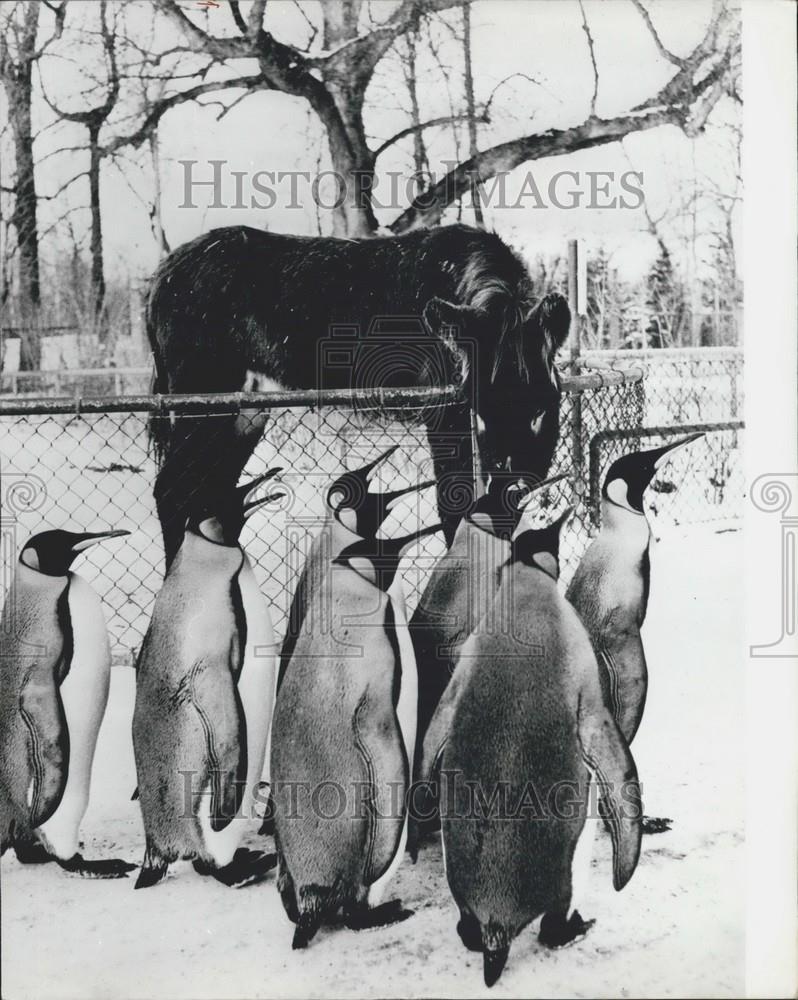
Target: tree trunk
351,158
476,188
420,158
96,244
156,213
17,77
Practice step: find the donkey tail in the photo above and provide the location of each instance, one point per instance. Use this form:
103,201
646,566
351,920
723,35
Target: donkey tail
158,424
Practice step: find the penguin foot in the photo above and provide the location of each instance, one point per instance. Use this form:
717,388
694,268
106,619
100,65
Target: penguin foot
493,962
31,852
106,868
470,932
246,868
656,824
361,917
557,932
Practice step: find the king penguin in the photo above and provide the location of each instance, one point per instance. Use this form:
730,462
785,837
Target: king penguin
461,588
611,585
204,698
365,512
344,725
518,733
55,664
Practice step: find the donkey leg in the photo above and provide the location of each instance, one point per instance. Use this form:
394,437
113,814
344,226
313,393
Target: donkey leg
181,478
198,464
453,461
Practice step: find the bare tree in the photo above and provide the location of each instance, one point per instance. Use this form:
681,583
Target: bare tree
94,118
334,82
18,54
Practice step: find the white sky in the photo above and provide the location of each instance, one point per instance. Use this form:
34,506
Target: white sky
269,131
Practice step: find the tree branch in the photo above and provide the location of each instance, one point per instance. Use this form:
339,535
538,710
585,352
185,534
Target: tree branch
428,208
363,52
432,123
235,10
159,109
201,41
586,29
665,53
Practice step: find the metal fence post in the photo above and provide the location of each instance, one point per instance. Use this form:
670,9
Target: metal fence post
577,448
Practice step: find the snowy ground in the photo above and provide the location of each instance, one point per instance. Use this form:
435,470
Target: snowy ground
676,930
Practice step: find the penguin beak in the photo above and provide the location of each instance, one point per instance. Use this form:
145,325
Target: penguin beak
407,540
248,488
377,461
91,538
252,506
350,487
661,455
389,498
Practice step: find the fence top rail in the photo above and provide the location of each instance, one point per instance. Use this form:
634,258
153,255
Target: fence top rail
663,354
383,399
44,373
665,430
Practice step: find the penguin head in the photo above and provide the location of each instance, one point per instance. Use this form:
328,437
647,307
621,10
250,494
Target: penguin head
499,510
377,559
540,547
629,476
361,512
53,552
221,518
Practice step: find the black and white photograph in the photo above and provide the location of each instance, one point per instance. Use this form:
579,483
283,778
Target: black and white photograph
399,499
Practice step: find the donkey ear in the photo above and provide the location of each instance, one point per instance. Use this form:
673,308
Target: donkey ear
553,317
445,319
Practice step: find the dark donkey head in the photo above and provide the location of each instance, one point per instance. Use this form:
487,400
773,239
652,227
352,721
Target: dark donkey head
510,378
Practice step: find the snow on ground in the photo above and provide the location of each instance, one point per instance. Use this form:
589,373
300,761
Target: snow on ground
675,931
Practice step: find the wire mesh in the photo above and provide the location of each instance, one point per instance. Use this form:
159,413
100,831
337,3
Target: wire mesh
93,471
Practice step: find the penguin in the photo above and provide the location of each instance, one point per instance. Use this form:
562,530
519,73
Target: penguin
204,698
610,587
348,499
461,588
344,728
517,737
55,671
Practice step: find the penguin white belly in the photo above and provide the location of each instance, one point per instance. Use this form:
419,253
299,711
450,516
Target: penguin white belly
406,712
84,693
256,690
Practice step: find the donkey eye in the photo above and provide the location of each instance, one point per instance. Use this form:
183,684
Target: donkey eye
536,423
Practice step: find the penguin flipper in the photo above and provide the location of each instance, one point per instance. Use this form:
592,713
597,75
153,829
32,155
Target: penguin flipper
606,754
296,618
626,677
224,727
42,712
441,722
424,804
379,743
228,783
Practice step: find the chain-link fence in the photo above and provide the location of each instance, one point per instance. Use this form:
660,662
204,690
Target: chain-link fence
87,465
684,390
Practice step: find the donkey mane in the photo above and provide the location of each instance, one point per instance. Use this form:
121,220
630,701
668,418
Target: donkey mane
481,287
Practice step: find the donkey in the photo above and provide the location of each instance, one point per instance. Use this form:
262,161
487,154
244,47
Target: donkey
430,307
